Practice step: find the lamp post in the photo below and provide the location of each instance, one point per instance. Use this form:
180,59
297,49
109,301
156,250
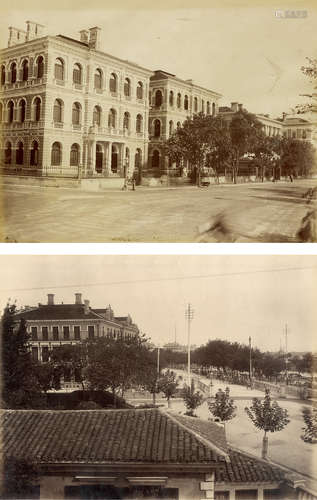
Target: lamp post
189,315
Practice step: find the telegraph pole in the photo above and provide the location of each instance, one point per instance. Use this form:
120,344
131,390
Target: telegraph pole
189,315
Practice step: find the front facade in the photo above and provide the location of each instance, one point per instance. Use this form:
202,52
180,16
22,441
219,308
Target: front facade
53,325
68,107
172,101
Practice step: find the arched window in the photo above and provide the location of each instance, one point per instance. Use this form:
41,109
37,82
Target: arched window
58,111
179,100
195,104
98,79
25,70
22,106
208,108
74,155
13,69
158,98
76,113
157,128
213,108
59,69
37,109
178,125
171,98
186,102
77,74
139,90
34,154
112,118
113,82
10,111
3,75
96,116
171,127
19,154
139,123
202,106
56,156
155,159
40,67
126,120
127,87
8,154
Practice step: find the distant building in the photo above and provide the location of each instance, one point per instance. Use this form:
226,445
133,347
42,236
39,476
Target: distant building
53,325
139,454
175,347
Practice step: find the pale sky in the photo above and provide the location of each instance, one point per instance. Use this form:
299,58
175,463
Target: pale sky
247,54
227,307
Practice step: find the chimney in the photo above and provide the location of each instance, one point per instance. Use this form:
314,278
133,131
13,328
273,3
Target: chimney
86,306
94,38
16,36
33,30
284,116
240,107
84,36
78,298
50,299
234,107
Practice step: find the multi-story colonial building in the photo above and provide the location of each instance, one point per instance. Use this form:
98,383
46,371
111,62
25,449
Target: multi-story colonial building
68,108
53,325
290,126
65,104
172,100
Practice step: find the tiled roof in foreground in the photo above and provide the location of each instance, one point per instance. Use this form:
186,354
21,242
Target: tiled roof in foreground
102,437
245,468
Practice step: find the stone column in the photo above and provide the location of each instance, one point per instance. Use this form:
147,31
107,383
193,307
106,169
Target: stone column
121,159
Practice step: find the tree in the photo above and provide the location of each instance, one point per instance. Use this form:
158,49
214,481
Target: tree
198,140
310,429
69,358
192,399
297,157
116,364
266,153
311,72
223,406
267,416
244,129
20,388
168,385
151,382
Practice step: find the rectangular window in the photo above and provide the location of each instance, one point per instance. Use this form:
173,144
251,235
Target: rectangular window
246,494
55,333
44,333
66,332
45,354
34,332
35,354
91,332
77,332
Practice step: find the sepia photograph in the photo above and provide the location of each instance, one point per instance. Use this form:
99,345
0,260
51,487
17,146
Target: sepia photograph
158,377
158,123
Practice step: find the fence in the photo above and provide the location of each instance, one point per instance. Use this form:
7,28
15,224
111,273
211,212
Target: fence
45,171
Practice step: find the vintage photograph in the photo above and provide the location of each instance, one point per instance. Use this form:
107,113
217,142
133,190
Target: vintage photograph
148,377
123,124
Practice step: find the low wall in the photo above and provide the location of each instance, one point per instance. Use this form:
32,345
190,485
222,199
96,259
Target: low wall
95,184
